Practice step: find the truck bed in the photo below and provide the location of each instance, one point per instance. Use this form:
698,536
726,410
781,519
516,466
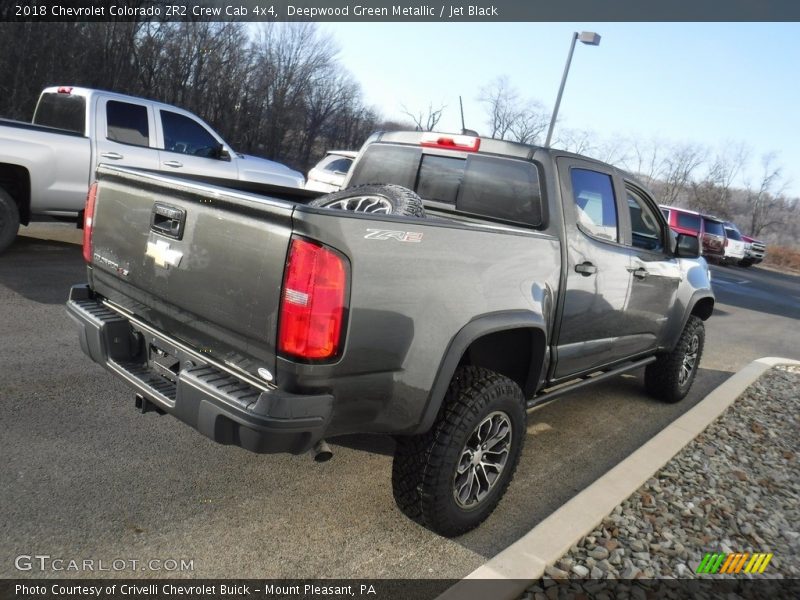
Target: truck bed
216,287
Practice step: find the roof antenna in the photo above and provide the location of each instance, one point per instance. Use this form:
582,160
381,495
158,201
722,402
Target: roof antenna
464,130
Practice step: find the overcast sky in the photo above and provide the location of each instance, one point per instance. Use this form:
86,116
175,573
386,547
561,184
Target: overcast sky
707,83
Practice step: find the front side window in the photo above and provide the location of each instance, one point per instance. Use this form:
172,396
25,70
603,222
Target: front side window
187,136
127,123
645,227
595,203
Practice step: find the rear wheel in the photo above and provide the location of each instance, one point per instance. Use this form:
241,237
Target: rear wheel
387,199
9,220
452,478
671,376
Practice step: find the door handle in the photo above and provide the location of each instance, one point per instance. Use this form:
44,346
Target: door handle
586,269
173,163
112,155
168,220
638,272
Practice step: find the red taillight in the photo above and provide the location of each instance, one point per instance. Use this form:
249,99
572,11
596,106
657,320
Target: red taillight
88,223
465,143
64,90
312,303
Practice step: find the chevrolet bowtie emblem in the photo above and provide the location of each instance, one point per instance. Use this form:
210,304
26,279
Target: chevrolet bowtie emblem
163,255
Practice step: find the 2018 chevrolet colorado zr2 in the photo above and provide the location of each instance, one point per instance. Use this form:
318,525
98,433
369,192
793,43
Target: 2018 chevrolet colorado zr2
274,322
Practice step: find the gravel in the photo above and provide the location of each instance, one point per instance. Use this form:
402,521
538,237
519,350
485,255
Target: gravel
734,488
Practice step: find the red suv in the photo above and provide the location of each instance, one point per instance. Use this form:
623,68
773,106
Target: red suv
710,230
713,238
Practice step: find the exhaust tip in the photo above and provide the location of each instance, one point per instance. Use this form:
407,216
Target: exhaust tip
322,452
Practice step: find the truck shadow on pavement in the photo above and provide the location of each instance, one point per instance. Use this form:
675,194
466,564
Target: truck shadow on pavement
41,270
570,443
758,290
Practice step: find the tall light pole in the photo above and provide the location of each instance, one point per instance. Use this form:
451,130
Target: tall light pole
590,38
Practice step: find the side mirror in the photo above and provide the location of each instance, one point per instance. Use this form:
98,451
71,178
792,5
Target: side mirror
222,153
673,241
688,246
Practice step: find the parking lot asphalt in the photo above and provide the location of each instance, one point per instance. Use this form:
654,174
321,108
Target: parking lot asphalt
87,477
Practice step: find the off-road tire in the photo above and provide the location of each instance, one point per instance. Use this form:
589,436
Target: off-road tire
9,220
387,199
424,467
663,377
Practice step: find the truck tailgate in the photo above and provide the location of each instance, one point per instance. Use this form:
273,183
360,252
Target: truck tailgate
204,263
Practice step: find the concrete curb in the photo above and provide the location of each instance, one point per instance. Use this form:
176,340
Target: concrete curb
524,561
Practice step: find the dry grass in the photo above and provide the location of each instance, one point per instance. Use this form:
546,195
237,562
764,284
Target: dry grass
783,258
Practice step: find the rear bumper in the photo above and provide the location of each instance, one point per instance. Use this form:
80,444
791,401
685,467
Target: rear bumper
220,405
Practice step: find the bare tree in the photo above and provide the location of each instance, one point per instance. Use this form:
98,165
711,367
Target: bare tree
425,121
501,103
614,150
579,141
645,158
767,200
678,168
713,193
510,117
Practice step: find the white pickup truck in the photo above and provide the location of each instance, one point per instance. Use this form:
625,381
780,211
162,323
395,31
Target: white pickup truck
46,166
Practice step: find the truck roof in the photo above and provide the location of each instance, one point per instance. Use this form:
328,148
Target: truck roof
90,92
678,208
494,146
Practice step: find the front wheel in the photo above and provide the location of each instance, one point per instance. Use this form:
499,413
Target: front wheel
671,376
452,478
9,220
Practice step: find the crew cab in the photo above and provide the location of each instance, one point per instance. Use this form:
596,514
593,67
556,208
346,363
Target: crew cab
46,166
454,284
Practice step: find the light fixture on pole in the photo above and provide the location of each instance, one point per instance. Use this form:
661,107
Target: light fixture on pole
590,38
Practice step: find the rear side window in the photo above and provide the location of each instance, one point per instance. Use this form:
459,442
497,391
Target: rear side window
127,123
715,228
486,186
733,234
187,136
689,221
595,203
501,188
62,111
